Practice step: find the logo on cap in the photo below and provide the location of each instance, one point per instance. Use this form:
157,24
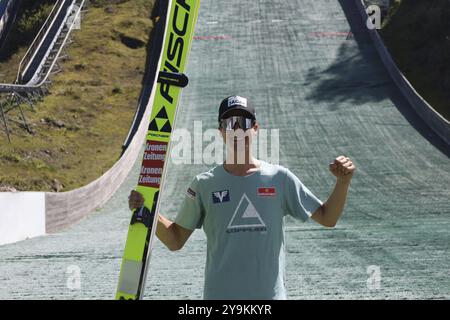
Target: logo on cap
236,100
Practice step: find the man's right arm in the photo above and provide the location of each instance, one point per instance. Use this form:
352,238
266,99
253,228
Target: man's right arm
171,234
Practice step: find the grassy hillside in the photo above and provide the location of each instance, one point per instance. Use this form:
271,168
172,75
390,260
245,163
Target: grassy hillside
78,129
417,34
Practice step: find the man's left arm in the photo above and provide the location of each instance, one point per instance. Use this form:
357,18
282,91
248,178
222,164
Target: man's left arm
329,213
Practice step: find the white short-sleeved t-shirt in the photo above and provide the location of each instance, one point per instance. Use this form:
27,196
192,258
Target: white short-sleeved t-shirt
242,218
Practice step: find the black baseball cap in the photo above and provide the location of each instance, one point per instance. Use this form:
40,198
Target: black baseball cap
236,106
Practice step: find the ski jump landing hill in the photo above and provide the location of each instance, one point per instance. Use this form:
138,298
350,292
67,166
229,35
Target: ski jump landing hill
25,215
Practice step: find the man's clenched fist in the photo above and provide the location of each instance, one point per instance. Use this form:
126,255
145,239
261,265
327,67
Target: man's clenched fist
342,168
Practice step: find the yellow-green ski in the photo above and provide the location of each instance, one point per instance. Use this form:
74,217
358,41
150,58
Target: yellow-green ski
179,31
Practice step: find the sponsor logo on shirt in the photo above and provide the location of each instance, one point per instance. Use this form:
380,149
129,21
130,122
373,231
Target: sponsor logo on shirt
221,196
246,218
191,193
266,192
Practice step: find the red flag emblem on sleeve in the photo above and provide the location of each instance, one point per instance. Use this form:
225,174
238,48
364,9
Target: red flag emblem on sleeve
266,192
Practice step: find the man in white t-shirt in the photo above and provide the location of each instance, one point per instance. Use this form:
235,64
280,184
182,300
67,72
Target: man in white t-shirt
241,208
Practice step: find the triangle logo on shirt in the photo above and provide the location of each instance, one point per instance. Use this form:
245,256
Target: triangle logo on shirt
246,218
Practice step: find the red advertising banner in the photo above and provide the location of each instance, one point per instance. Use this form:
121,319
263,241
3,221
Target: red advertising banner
152,164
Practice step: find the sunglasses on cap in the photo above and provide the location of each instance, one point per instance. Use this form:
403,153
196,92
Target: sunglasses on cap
230,123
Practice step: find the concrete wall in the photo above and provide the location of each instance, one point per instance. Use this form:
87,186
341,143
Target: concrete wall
22,216
436,122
